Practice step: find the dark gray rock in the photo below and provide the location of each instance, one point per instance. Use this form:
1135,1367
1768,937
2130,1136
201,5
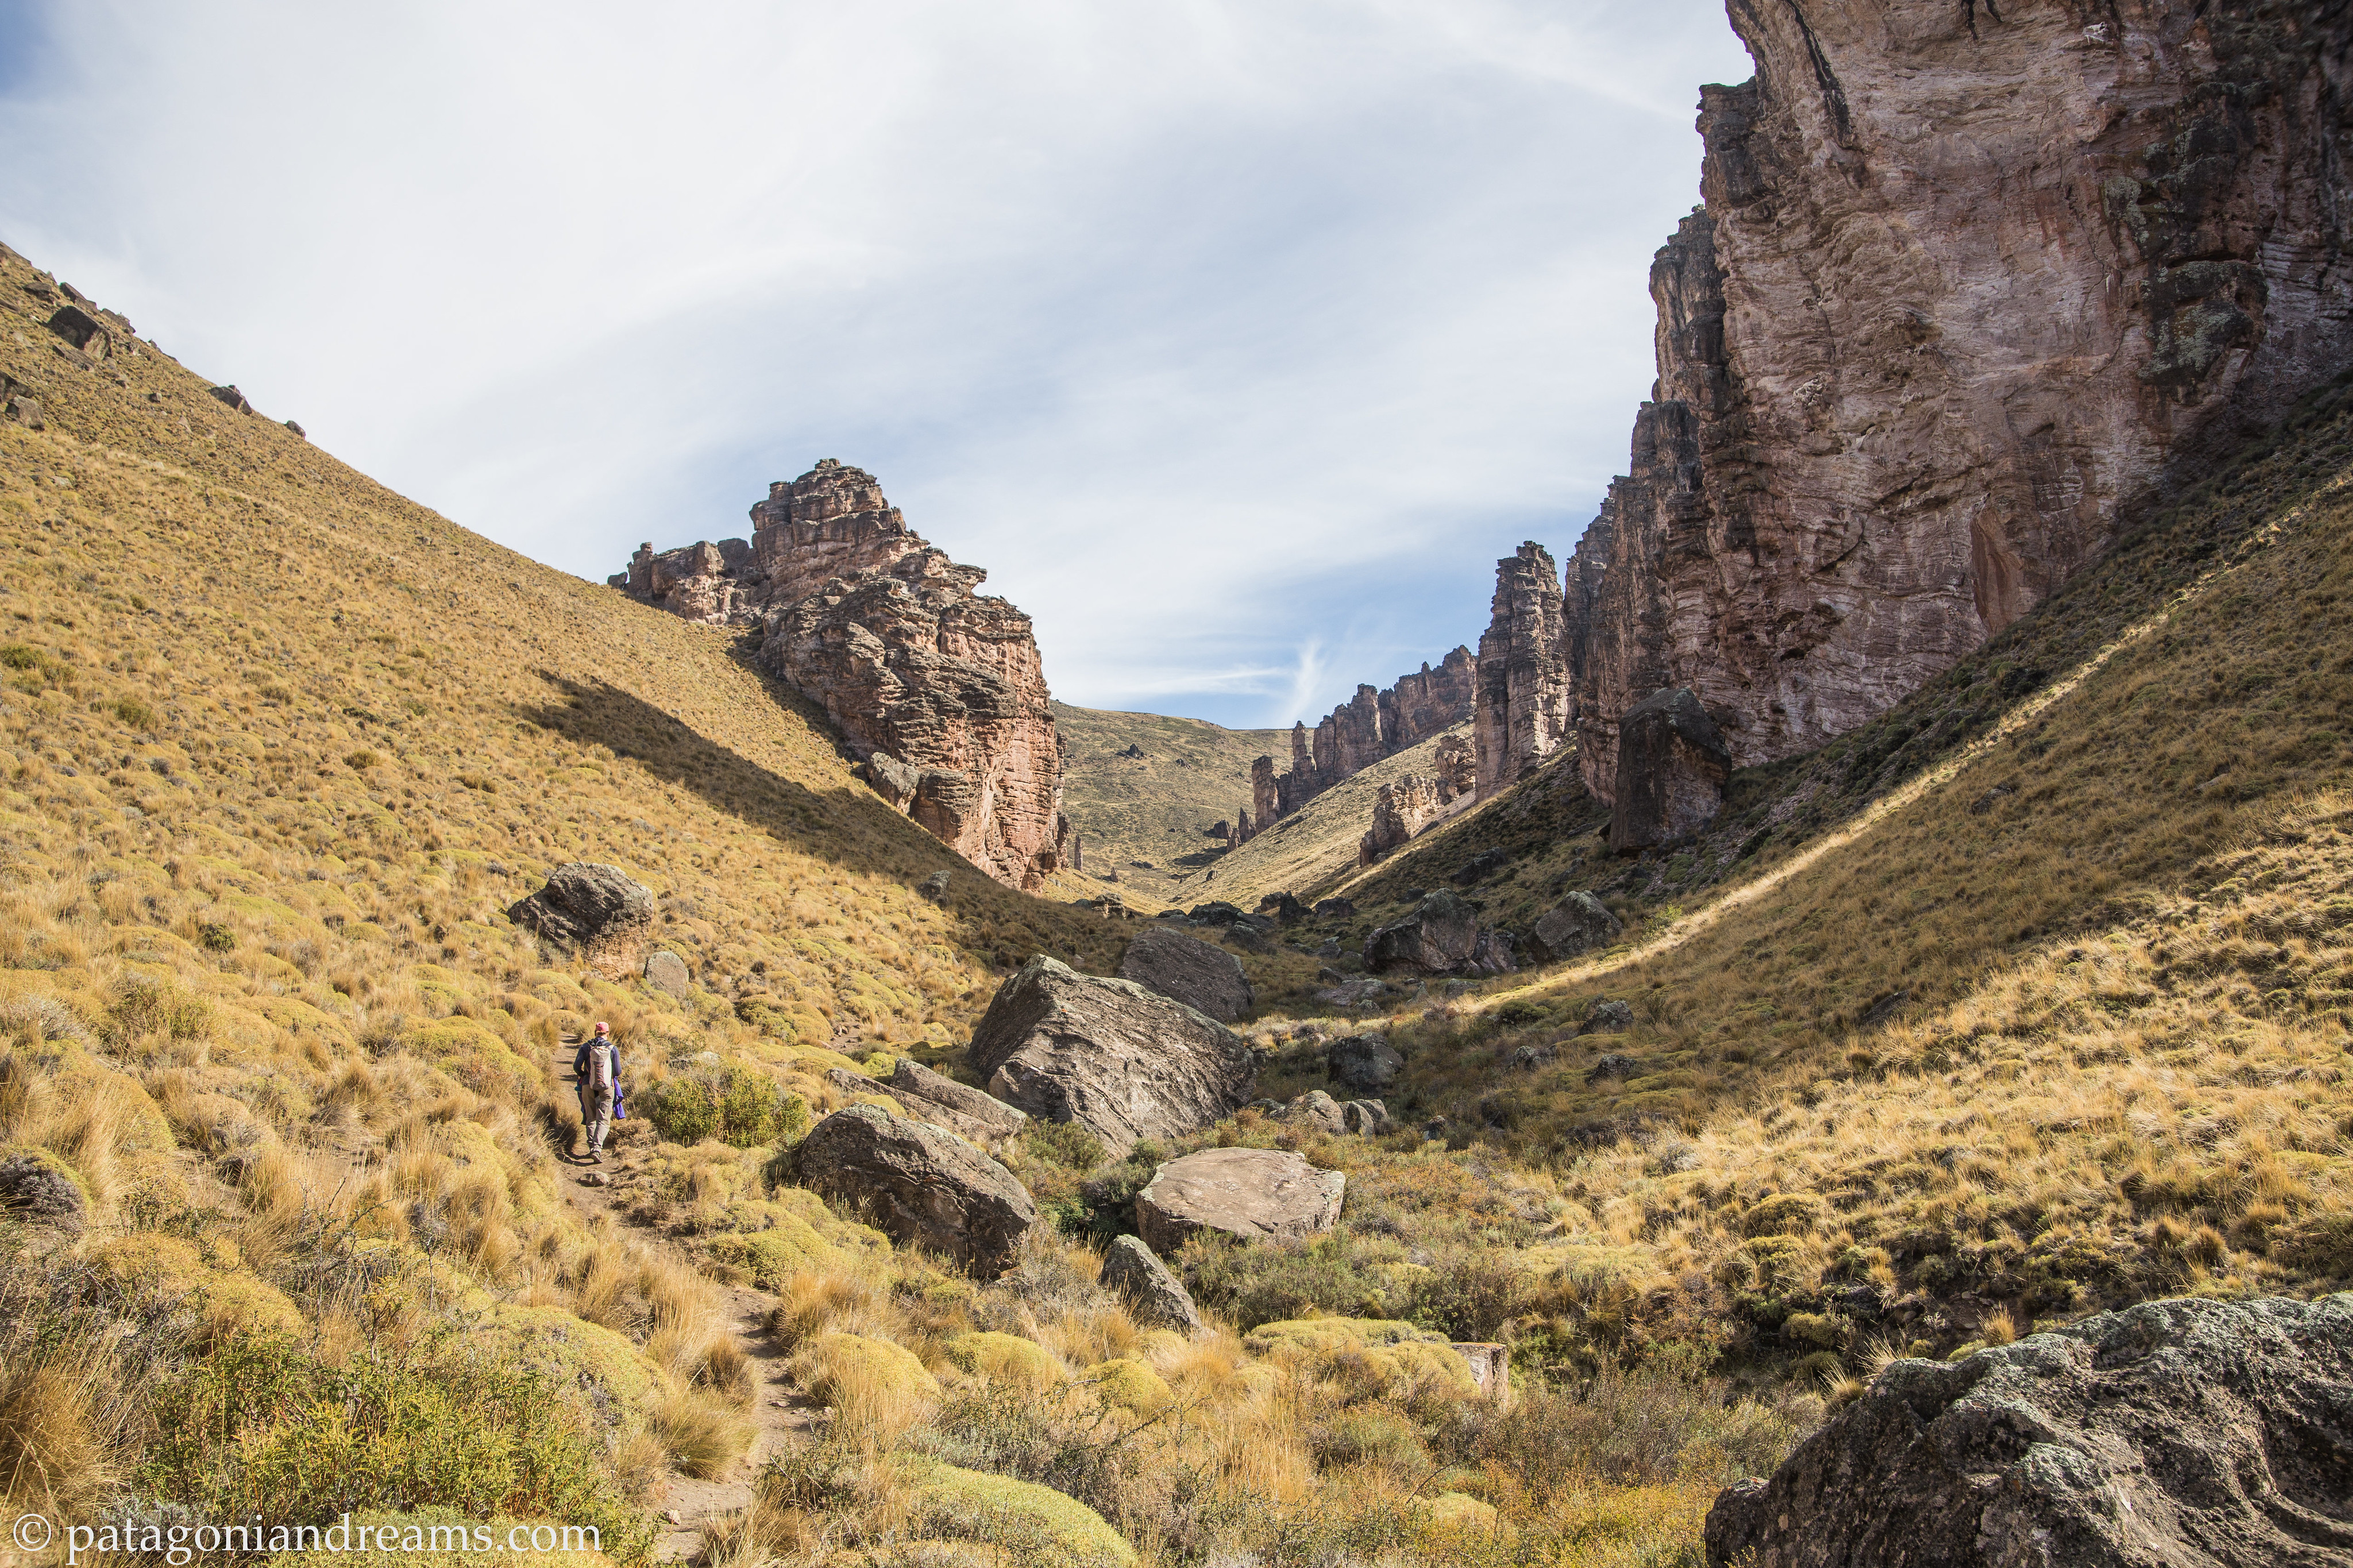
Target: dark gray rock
1123,1062
587,906
233,397
1577,923
79,328
1610,1064
1362,1061
1528,1058
1156,1298
666,972
2182,1434
918,1185
1188,970
1606,1018
1248,938
1480,867
1672,767
1369,1118
912,1082
38,1189
299,433
1256,1194
935,887
1218,914
1334,909
1443,935
1286,910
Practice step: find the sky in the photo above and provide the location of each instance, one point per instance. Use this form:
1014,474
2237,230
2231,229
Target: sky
1237,340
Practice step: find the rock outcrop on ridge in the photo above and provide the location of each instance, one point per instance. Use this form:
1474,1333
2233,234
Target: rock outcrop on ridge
2173,1432
938,688
1968,288
1368,727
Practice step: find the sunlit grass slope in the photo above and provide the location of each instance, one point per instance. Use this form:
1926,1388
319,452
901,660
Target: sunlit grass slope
280,747
2031,997
1146,817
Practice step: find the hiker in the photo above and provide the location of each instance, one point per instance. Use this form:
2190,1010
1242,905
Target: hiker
596,1071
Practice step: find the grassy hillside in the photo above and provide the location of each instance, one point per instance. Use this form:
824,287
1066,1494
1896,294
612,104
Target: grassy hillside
1146,818
1313,851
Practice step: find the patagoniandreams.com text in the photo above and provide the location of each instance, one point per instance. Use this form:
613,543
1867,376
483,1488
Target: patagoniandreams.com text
180,1543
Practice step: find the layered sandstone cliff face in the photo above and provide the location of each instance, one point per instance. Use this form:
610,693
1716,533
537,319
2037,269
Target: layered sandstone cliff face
1522,711
1970,289
938,688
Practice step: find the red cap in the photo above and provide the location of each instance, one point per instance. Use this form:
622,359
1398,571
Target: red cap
604,1028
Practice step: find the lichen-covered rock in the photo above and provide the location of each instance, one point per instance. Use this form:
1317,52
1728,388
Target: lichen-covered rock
1317,1110
1121,1061
918,1185
666,972
2183,1432
1577,923
1672,769
597,908
1443,935
1928,345
1188,970
1156,1298
1256,1194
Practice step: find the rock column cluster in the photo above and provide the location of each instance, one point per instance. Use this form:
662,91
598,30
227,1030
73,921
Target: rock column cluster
1368,727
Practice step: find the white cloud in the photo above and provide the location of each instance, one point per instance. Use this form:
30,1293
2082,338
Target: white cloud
1236,338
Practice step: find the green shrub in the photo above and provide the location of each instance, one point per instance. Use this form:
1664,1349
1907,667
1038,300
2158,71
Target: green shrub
1340,1272
739,1105
214,937
134,713
259,1427
1064,1144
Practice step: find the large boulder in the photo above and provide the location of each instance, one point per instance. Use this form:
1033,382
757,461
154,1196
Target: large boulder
1443,935
1123,1062
2184,1432
1257,1195
912,1082
1156,1298
1672,767
918,1185
1188,970
1363,1061
597,908
1579,922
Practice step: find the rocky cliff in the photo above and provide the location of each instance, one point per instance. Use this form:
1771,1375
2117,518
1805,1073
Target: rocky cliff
938,687
1970,289
1369,726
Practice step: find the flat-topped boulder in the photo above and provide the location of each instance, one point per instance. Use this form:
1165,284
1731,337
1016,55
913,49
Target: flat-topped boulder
1185,969
2189,1432
918,1185
1255,1195
1121,1061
